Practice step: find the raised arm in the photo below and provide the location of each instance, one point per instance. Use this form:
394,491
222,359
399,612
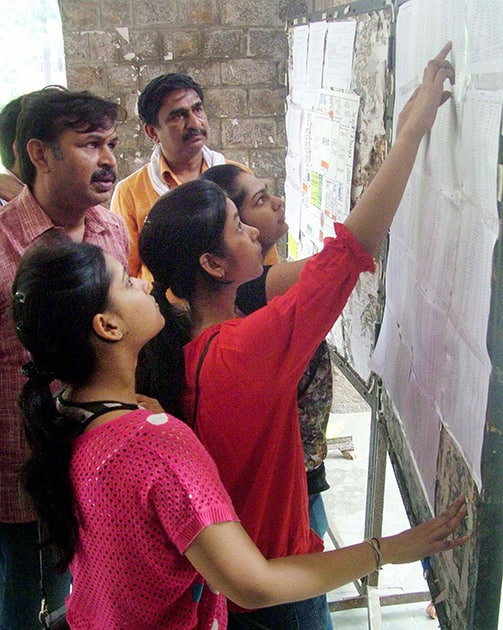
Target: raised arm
371,218
227,558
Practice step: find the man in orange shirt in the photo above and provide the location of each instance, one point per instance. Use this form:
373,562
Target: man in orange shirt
172,112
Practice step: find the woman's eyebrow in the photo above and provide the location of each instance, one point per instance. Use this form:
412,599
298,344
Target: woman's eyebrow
260,192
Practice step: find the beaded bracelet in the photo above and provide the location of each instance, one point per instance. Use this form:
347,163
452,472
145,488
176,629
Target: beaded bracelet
376,547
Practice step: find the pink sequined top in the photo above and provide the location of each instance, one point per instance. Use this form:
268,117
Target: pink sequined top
144,489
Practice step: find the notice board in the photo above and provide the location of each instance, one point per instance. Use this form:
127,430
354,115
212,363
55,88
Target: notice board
423,334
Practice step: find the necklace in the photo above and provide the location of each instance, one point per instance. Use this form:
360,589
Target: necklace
86,412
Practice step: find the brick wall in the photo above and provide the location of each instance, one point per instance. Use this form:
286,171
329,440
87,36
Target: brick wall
236,49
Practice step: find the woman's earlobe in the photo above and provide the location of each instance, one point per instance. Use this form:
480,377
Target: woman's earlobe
213,265
106,328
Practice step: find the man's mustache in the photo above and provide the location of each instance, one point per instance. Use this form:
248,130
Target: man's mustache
105,174
191,133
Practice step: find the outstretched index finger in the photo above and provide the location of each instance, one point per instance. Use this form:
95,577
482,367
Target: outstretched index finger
444,52
439,69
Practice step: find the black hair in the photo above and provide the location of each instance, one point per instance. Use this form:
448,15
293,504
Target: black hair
58,288
152,97
8,121
183,224
226,176
47,113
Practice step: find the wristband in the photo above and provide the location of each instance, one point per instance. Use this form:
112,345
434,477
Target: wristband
376,548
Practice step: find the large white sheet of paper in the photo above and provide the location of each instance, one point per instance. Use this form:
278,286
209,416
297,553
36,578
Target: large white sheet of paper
299,62
338,64
485,41
293,124
315,54
431,351
429,24
319,166
293,200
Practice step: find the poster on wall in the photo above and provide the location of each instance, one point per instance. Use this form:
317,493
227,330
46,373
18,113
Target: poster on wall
321,125
325,166
336,142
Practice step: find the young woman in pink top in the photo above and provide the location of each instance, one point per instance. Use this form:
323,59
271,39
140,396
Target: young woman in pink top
234,378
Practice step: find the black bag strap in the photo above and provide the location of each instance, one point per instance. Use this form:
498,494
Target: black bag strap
44,611
55,620
198,372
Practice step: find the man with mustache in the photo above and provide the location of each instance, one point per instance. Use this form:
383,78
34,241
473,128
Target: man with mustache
65,142
172,112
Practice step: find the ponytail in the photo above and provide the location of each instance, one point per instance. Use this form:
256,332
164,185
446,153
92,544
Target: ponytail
59,287
45,475
182,225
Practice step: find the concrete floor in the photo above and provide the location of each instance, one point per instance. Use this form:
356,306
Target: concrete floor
345,502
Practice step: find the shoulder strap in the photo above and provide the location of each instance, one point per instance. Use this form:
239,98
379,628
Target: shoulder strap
198,372
86,412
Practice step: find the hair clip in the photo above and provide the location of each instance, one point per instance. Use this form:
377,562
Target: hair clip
19,297
29,369
32,371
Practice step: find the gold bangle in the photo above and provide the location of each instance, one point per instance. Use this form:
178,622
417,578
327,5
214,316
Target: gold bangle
376,547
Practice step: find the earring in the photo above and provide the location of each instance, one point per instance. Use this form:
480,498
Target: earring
119,334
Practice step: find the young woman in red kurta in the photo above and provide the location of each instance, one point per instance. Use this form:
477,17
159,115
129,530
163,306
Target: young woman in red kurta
261,209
